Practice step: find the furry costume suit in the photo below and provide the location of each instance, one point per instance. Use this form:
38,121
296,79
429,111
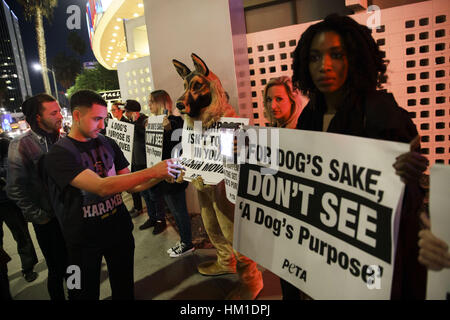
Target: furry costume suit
205,100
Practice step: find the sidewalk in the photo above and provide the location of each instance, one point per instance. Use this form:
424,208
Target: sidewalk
157,276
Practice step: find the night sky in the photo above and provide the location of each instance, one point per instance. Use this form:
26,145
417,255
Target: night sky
55,37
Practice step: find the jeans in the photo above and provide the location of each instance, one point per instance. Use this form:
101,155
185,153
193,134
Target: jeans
153,197
120,262
137,201
53,247
177,206
13,217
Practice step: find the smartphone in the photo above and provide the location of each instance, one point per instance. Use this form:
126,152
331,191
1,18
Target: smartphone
166,112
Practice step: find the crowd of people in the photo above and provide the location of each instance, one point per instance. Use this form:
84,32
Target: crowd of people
80,217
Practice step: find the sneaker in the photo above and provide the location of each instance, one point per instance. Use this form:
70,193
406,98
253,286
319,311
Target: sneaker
30,276
147,224
174,247
160,226
181,250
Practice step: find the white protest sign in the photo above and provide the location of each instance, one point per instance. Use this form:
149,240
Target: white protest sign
202,154
318,210
230,167
154,133
438,283
123,134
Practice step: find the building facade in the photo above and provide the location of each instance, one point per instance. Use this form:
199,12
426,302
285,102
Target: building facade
13,64
246,43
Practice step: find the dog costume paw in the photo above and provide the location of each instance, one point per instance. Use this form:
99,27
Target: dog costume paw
200,185
213,268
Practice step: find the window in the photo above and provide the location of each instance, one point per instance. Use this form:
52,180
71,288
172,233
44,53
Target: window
409,37
439,113
440,60
439,33
424,49
439,46
424,88
440,19
409,24
411,90
423,22
423,62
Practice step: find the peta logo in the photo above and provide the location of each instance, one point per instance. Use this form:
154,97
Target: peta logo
74,277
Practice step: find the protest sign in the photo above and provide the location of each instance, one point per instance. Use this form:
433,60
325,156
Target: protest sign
318,210
154,133
438,283
123,134
202,150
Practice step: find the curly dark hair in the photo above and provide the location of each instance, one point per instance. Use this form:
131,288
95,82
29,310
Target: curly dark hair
366,64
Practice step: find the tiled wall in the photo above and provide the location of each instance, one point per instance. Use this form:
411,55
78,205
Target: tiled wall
135,79
415,38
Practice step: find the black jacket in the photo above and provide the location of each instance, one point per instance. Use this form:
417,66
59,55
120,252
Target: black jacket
378,116
169,143
139,159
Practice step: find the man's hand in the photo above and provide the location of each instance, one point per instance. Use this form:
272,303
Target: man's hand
167,169
433,252
410,166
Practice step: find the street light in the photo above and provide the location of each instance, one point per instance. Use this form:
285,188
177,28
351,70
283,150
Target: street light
38,67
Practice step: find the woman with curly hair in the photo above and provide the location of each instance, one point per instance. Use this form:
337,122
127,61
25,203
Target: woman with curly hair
339,66
282,104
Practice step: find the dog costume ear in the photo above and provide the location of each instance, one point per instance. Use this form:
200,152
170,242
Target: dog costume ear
182,69
200,66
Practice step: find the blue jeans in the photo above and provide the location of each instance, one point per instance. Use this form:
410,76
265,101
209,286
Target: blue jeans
155,203
177,206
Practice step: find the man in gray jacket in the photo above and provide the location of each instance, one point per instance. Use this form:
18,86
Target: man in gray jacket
25,187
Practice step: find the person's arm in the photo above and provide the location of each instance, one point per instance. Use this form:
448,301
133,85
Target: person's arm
140,187
91,182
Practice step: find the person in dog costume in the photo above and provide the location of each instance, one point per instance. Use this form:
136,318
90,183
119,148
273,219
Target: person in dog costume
205,100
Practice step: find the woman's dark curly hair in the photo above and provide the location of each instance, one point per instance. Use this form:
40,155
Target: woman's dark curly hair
366,65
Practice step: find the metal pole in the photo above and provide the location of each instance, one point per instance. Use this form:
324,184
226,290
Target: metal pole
56,87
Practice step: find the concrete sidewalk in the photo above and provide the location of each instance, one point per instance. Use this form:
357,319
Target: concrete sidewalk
157,276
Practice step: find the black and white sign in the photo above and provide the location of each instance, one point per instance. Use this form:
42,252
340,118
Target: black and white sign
154,134
123,134
438,283
202,150
318,210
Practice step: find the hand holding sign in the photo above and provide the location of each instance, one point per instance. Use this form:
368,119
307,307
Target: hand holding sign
433,252
410,165
200,185
166,124
167,169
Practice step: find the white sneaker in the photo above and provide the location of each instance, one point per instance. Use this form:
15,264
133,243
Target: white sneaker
181,250
169,251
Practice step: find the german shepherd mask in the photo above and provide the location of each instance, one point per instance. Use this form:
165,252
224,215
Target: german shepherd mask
204,97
